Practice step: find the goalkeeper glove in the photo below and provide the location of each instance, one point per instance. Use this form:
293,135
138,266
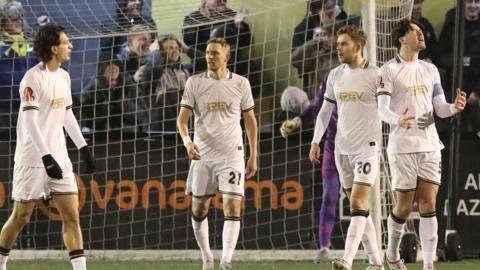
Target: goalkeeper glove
290,126
87,157
51,166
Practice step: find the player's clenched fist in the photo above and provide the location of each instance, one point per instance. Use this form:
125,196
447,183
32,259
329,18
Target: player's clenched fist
290,126
315,153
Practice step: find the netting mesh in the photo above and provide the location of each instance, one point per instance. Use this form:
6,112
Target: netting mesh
136,198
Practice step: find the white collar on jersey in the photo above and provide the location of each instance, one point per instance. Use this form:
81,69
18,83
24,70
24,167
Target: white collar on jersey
400,59
364,65
228,76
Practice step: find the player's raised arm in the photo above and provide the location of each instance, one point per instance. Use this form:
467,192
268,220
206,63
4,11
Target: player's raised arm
442,108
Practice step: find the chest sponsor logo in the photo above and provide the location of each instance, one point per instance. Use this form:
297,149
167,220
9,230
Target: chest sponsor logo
220,106
417,90
350,96
28,94
58,102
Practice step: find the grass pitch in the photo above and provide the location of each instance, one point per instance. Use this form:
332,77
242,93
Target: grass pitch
193,265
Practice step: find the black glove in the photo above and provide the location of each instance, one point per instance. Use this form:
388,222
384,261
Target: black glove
53,170
87,157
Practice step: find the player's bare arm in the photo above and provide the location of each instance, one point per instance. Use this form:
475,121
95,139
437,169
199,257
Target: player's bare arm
460,100
252,130
315,153
323,118
182,125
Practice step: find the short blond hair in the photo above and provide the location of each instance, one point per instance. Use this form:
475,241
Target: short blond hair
220,41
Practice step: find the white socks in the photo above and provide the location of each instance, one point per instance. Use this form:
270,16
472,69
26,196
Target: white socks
231,230
395,233
79,263
354,235
200,229
370,244
429,237
3,262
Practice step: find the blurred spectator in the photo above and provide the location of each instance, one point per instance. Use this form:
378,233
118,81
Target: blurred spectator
294,100
240,61
135,50
428,31
311,46
16,57
211,14
110,101
471,60
163,80
129,13
317,56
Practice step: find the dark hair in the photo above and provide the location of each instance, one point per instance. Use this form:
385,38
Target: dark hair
105,60
165,38
355,33
314,6
227,32
122,6
401,29
47,36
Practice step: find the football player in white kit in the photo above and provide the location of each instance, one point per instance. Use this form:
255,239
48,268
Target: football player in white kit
409,91
351,86
218,98
42,167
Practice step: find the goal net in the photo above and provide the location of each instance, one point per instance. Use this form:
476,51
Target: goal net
136,200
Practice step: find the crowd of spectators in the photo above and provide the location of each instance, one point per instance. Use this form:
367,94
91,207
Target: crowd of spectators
141,76
16,57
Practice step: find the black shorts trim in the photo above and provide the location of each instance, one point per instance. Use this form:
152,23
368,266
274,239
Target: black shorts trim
231,193
405,190
64,193
27,201
201,196
428,181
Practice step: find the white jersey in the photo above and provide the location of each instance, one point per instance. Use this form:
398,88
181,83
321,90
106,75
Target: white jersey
48,92
218,106
411,85
354,92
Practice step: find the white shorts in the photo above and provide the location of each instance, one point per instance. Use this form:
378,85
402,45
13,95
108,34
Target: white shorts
33,183
205,178
406,169
361,169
